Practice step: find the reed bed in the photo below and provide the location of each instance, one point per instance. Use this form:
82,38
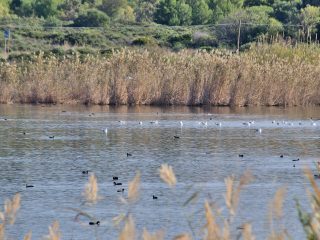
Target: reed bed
268,75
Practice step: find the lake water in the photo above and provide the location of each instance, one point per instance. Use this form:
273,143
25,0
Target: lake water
202,158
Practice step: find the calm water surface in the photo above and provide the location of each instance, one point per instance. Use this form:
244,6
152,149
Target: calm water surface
202,158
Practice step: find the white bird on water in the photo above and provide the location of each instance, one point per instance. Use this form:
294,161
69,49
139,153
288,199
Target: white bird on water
105,130
140,123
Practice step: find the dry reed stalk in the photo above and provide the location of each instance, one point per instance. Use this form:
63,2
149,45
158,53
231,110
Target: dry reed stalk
275,212
128,232
133,188
277,202
213,231
232,194
167,175
54,232
265,75
247,232
184,236
155,236
91,190
28,236
11,208
2,231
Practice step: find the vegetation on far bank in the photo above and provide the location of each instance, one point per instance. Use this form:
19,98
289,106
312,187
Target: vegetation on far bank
57,26
269,75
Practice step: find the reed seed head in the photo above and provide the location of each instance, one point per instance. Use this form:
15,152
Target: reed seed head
167,175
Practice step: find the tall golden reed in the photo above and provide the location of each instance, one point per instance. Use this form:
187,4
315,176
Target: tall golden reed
167,175
54,232
134,187
91,190
270,75
129,230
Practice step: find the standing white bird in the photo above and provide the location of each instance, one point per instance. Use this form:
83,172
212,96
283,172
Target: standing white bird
105,130
181,123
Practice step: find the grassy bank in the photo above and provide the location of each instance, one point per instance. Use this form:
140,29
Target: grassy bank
271,75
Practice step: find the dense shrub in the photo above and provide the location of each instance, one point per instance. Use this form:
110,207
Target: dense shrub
92,18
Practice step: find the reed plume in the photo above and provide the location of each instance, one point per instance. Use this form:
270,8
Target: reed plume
28,236
155,236
167,175
54,232
247,232
133,188
233,193
129,231
91,190
183,237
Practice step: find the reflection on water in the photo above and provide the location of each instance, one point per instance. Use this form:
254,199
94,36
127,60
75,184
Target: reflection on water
202,158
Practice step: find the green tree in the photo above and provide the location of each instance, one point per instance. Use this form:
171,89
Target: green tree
250,3
145,10
167,13
310,2
201,13
184,12
69,9
92,18
4,8
221,8
310,17
228,32
286,11
23,8
126,14
112,7
46,8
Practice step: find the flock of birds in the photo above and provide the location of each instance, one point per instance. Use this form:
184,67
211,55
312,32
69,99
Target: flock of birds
249,124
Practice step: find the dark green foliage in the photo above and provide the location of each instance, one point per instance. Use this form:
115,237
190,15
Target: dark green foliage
19,57
44,8
112,7
203,40
167,13
286,11
92,18
201,13
142,41
173,13
261,15
178,42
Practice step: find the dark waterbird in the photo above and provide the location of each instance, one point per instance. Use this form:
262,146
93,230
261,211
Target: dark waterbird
94,223
129,154
117,184
52,137
176,137
296,160
85,172
154,197
115,178
281,156
241,155
120,190
29,186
